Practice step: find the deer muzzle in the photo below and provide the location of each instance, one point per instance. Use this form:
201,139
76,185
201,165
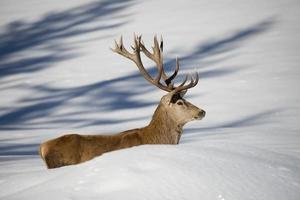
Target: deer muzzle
201,115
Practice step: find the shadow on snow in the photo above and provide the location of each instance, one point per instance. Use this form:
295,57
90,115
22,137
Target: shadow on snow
106,95
50,32
252,120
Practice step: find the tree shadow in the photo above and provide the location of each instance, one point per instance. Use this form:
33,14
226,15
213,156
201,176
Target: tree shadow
19,149
250,120
114,94
50,33
231,42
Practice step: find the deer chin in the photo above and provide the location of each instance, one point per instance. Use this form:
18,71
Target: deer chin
198,118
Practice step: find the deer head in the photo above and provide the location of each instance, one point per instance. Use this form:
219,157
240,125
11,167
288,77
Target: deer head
180,110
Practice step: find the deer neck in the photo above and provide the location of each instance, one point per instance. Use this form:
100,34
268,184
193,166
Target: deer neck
163,128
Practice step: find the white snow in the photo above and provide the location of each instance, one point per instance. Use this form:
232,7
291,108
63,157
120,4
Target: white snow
57,75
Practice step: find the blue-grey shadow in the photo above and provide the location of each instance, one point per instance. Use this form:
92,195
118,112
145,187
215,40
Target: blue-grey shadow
49,34
250,120
19,149
109,96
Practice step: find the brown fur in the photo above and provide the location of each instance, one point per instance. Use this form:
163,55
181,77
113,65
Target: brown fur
172,113
71,149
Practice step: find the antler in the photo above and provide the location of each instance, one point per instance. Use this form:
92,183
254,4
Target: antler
157,57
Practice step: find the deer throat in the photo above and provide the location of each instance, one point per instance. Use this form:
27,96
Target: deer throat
163,129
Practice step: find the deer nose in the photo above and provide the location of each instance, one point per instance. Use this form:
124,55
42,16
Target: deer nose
202,113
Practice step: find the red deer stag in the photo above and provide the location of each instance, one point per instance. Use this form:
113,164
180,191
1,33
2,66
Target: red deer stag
172,113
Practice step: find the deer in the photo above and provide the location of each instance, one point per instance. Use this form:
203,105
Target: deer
165,127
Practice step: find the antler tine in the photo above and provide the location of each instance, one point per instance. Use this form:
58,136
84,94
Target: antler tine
192,83
197,79
145,51
136,58
185,80
168,81
121,42
161,46
157,57
137,41
120,49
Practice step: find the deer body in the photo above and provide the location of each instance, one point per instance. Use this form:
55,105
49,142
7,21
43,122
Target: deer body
172,113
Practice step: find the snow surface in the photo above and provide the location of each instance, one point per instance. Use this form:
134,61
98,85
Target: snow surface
57,75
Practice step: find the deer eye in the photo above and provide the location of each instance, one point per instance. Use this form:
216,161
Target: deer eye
179,103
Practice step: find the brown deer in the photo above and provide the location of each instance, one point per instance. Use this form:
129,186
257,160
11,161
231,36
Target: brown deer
172,113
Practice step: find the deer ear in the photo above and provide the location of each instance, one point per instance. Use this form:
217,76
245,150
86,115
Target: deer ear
182,93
